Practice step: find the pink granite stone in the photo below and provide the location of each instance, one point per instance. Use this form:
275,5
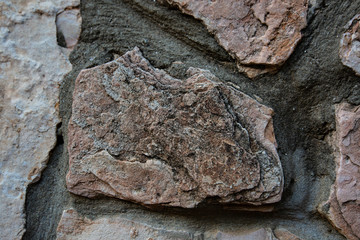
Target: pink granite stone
259,34
140,135
344,202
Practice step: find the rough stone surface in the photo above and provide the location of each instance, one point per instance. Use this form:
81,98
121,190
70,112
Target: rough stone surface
260,34
257,234
284,234
343,206
302,94
73,226
350,45
68,26
31,68
138,134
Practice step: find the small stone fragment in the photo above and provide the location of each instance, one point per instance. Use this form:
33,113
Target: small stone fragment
350,45
140,135
68,26
72,226
260,34
258,234
284,234
343,206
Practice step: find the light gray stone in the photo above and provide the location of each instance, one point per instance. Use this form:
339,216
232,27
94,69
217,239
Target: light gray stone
250,234
68,24
31,68
72,226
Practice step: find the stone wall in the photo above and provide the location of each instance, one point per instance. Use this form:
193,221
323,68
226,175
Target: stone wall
169,119
32,68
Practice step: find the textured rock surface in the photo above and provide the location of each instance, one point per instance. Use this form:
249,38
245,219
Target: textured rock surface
31,67
302,94
74,226
350,45
343,207
263,33
140,135
284,234
257,234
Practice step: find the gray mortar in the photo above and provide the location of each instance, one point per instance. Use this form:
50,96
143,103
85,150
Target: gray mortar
302,95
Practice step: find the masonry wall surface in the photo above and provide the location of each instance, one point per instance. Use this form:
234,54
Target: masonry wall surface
303,95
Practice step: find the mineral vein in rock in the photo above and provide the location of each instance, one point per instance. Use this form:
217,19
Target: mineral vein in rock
260,34
138,134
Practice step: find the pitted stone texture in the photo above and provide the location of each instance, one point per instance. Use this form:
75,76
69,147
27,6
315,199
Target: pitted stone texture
72,226
350,45
138,134
259,34
31,68
343,207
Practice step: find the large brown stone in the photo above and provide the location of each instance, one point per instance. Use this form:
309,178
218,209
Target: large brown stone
350,45
343,206
260,34
140,135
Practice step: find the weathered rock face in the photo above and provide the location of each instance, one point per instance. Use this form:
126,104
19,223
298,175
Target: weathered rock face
343,206
350,45
74,226
261,35
31,68
252,234
138,134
